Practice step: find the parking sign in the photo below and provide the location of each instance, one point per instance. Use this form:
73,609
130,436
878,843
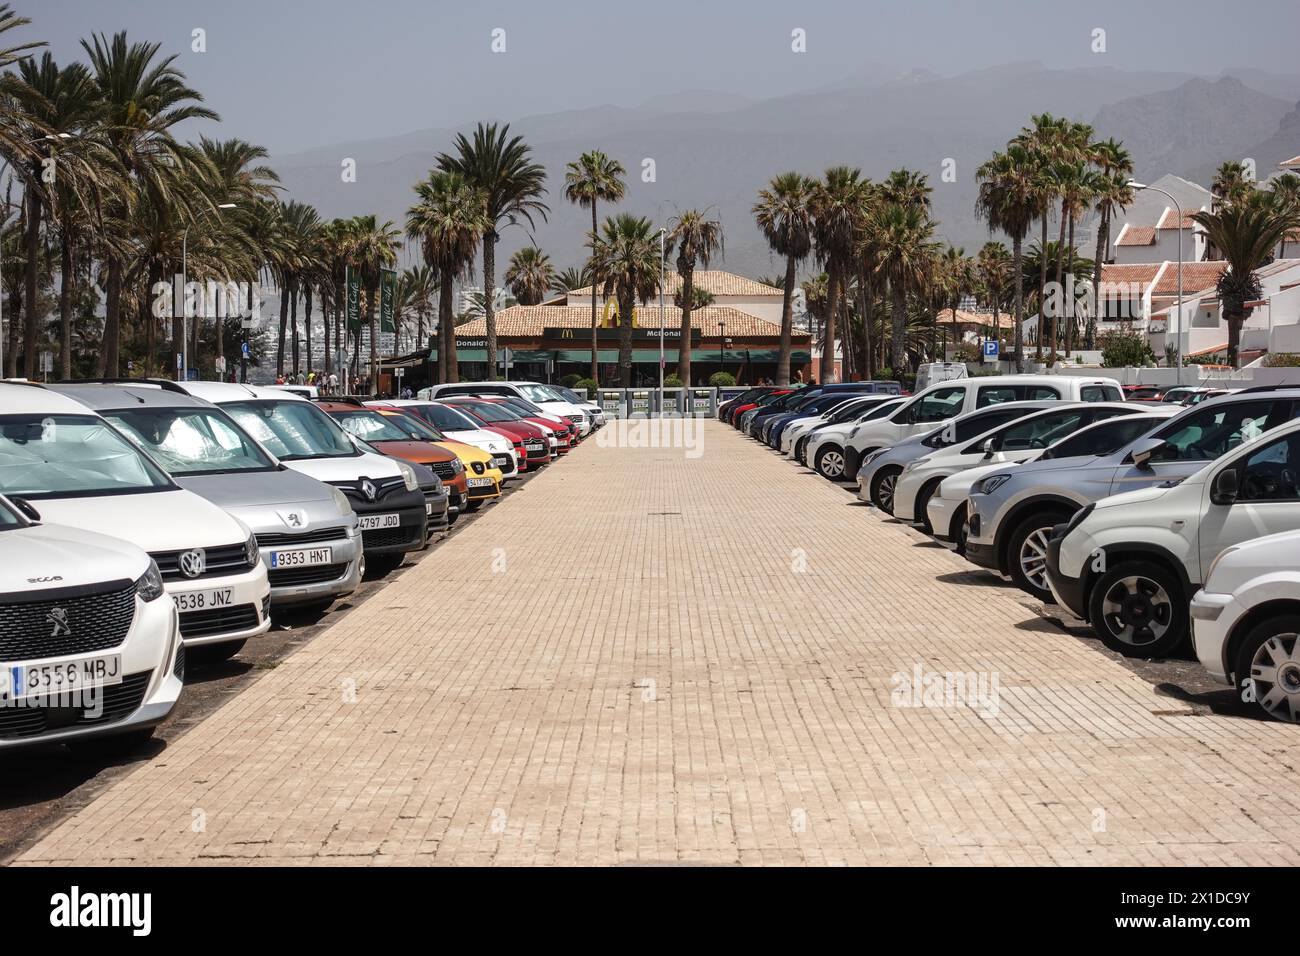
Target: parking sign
990,350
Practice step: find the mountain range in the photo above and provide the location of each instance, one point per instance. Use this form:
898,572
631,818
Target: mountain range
716,150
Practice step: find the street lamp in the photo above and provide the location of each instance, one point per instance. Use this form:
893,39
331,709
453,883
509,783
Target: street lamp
183,372
1134,184
662,256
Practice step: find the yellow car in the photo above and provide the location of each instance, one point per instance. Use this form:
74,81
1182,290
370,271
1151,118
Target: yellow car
483,478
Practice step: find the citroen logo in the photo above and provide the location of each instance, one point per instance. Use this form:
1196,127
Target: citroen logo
58,620
368,489
193,563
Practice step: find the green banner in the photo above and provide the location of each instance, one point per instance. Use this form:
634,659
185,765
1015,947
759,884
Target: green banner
387,294
354,299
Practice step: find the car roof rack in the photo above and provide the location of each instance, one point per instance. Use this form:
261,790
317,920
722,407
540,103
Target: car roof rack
342,400
165,384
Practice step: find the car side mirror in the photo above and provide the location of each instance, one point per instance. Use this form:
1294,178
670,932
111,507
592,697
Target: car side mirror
26,507
1145,450
1224,489
991,447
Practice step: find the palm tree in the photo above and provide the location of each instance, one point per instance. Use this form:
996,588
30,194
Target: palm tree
1246,230
697,238
1230,184
1286,193
448,219
501,168
530,275
1008,201
626,257
421,283
840,204
992,273
900,243
594,177
1112,194
567,280
952,280
374,248
784,213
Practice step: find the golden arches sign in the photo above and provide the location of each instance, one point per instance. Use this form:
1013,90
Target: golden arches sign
609,315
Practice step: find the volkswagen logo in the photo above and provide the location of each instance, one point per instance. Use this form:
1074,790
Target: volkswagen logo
58,621
193,563
368,489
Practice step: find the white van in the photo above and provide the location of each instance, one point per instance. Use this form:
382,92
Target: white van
932,373
946,400
76,469
544,397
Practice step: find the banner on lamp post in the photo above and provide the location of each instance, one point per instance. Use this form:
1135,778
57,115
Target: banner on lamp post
353,283
387,295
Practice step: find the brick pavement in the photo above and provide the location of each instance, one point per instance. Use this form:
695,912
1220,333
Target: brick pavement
648,657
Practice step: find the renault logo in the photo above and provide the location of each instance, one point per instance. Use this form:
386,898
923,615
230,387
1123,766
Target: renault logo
193,563
368,489
58,621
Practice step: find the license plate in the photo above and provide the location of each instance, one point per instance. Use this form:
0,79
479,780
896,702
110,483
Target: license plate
375,522
203,600
480,482
41,680
501,462
302,557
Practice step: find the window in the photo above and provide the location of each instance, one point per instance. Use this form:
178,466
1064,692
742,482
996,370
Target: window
371,426
1041,393
448,419
53,456
1100,393
292,429
1039,431
1270,473
1210,432
939,405
995,395
191,441
1103,439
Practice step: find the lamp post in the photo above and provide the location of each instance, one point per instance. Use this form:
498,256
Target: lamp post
1134,184
722,346
662,256
182,373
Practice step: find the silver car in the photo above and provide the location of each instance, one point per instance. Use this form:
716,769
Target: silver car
306,530
1010,514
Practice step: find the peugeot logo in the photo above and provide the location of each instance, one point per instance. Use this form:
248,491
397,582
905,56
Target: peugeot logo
193,563
294,519
368,489
58,619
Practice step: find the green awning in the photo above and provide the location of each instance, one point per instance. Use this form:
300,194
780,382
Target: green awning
798,357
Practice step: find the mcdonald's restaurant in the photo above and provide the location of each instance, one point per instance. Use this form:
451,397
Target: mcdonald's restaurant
548,342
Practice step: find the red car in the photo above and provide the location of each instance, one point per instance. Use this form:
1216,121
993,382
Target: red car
494,408
446,419
733,417
535,438
562,426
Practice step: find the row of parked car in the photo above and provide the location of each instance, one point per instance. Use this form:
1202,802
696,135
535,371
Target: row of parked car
1167,525
147,525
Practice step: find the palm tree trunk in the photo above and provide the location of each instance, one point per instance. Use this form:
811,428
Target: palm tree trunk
285,293
306,321
11,345
448,364
489,306
1060,277
626,304
827,371
108,357
1094,310
1042,289
898,315
1069,304
293,324
1017,268
595,346
33,237
684,346
864,297
787,323
65,305
1235,316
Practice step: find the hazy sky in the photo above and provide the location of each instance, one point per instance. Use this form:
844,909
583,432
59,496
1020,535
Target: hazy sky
292,74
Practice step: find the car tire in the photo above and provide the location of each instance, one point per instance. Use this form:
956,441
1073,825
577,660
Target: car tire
1138,608
957,530
1027,553
830,462
1272,643
473,505
386,563
883,483
923,497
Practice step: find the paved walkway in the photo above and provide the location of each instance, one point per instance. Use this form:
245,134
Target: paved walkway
647,657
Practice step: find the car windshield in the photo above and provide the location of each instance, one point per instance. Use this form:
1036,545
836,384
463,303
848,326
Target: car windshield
847,411
55,456
1104,438
445,417
539,393
493,413
414,426
292,429
191,441
569,395
528,408
371,426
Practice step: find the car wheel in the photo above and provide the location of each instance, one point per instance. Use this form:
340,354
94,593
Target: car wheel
1027,553
957,531
1269,656
473,505
922,503
883,483
1139,609
830,462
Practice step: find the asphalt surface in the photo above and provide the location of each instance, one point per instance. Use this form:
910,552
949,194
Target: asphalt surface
39,785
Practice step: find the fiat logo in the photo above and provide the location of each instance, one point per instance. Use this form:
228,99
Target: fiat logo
193,563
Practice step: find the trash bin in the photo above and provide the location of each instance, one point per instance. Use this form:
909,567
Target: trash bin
701,403
611,402
670,402
640,403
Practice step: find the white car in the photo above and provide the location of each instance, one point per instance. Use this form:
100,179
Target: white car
460,427
77,470
850,410
544,397
1130,563
1246,622
824,447
946,508
1023,438
945,400
384,492
89,640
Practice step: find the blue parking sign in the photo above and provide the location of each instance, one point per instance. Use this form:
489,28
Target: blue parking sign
990,348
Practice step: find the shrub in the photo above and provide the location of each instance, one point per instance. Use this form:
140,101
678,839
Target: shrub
569,381
1126,349
1282,360
721,380
587,384
672,381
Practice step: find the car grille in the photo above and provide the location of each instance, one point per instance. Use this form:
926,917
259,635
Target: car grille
574,418
94,622
383,486
478,467
178,669
116,702
241,617
390,537
277,540
505,463
290,577
444,470
227,559
489,491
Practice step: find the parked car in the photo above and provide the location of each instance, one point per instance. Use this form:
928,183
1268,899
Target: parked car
392,514
566,432
76,469
797,432
744,398
90,642
879,472
1144,393
946,508
931,373
306,530
766,397
1246,622
770,404
501,449
813,403
540,395
833,437
1130,563
946,400
1010,514
593,410
537,442
559,434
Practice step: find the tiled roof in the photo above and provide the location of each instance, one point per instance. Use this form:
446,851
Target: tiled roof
710,280
529,321
965,317
1167,220
1116,274
1294,161
1197,277
1137,236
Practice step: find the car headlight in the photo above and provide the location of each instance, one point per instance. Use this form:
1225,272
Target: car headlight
150,584
408,475
251,553
914,464
457,466
340,501
1215,563
993,483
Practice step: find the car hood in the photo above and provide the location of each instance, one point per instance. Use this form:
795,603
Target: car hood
421,451
346,467
470,435
154,521
258,488
960,484
1136,497
72,556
